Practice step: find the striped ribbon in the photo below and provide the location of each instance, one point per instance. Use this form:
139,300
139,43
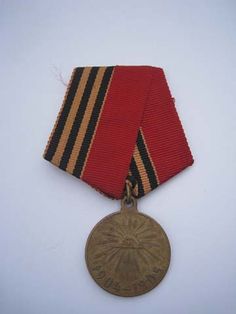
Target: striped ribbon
116,122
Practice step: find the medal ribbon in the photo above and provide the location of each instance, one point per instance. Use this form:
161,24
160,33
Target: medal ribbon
118,122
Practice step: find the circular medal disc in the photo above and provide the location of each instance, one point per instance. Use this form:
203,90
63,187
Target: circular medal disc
127,253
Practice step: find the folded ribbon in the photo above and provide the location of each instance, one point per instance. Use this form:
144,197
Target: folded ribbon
116,122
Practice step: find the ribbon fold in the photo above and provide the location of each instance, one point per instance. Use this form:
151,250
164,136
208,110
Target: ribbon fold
119,121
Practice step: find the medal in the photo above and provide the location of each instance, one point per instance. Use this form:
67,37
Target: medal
118,130
128,253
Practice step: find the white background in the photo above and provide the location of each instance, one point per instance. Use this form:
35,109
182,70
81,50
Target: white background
46,214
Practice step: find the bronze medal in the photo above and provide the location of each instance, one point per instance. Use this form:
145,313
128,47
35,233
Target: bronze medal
127,252
118,130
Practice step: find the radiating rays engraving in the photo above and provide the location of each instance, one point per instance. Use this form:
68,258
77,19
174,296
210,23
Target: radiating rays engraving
128,253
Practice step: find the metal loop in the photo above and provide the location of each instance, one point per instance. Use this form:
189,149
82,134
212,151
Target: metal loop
128,193
131,206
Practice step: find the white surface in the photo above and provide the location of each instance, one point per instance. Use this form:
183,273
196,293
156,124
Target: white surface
46,215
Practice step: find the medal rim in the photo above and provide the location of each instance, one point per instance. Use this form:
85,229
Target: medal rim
119,212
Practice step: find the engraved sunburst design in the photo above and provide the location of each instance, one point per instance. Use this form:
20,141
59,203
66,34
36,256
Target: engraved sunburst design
128,253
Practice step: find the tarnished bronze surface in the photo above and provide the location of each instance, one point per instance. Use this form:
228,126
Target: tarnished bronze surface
128,253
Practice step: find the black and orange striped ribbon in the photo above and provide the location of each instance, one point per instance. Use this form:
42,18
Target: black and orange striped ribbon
119,121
